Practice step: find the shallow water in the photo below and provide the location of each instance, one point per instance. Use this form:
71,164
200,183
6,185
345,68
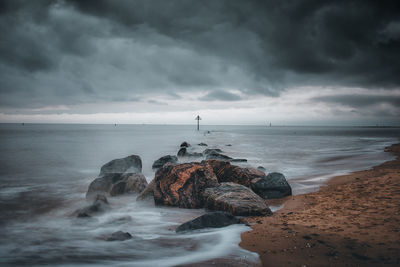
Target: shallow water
45,171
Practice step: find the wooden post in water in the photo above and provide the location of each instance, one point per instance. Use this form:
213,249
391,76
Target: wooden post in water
198,122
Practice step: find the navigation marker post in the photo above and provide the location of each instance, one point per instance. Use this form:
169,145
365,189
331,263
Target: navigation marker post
198,122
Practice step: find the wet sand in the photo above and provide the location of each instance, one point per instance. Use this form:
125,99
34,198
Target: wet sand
352,221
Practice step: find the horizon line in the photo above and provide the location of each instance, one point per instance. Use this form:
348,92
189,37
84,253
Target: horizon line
188,124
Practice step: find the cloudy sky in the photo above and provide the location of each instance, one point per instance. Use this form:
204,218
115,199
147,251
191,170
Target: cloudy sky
299,62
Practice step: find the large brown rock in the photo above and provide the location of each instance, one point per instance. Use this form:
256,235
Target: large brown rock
226,172
236,199
183,185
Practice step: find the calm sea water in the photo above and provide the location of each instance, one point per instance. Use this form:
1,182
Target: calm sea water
45,171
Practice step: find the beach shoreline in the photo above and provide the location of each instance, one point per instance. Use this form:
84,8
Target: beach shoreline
353,220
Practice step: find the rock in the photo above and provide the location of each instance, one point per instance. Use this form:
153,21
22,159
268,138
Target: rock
216,219
161,161
228,145
117,183
147,193
183,185
185,144
238,160
131,183
274,185
100,204
118,236
235,199
202,144
261,168
218,156
212,150
226,172
120,220
131,163
182,152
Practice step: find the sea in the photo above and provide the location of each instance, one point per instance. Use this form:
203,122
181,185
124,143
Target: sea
45,170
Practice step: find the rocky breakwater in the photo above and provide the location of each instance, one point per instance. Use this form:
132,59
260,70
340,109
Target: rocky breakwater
214,185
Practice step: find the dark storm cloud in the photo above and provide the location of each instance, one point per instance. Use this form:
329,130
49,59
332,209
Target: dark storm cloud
220,95
360,101
85,51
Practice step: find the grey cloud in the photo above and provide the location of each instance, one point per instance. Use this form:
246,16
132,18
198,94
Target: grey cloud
220,95
88,51
157,102
360,101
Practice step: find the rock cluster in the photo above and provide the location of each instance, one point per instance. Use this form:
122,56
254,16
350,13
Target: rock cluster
214,183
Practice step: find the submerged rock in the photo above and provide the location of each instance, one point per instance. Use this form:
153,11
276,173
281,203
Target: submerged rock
274,185
218,156
194,155
183,185
214,219
235,199
131,163
100,204
212,150
118,236
202,144
163,160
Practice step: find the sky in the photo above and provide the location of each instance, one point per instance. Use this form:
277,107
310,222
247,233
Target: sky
288,62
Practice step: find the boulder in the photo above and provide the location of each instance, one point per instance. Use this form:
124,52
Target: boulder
117,183
100,204
202,144
183,185
131,183
216,219
274,185
163,160
228,145
131,163
147,193
235,199
185,144
118,236
226,172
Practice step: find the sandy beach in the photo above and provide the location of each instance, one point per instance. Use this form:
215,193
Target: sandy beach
352,221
